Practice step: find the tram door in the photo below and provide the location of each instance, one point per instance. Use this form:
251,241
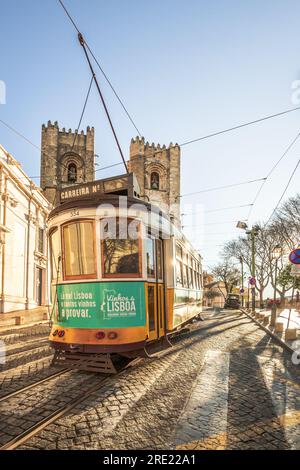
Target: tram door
155,297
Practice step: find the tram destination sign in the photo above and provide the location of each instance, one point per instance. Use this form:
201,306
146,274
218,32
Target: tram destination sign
126,184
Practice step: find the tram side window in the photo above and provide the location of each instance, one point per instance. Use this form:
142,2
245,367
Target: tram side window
150,257
179,279
185,270
196,280
121,257
159,252
195,277
79,252
191,278
151,307
179,270
54,254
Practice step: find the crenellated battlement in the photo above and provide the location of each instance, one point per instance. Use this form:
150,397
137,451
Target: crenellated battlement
55,126
61,148
138,147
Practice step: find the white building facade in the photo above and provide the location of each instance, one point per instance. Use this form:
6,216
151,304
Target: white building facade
23,241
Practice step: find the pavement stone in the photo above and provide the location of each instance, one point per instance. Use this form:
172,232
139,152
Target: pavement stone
219,387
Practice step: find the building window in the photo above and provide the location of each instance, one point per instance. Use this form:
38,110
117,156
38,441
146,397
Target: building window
79,250
72,173
121,257
154,182
41,238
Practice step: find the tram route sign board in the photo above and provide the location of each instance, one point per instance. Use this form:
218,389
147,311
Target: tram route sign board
124,184
101,305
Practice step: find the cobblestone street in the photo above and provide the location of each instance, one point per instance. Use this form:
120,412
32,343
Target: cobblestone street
223,385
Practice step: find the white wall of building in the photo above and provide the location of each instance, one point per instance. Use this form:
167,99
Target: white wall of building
23,261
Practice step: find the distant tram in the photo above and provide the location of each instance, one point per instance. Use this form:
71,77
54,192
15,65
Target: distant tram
124,277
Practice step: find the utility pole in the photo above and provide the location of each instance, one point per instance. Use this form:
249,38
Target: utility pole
242,272
276,254
252,233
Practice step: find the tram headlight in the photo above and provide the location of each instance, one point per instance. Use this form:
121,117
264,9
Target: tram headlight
55,333
61,333
112,335
100,335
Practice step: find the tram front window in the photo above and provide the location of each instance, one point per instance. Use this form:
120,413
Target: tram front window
121,256
54,255
79,253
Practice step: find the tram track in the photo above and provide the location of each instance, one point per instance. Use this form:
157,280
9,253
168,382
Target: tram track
34,384
31,431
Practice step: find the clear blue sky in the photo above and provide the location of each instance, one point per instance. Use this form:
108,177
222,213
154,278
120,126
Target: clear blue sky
184,69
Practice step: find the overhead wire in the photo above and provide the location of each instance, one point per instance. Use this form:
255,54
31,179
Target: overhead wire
239,126
283,193
79,123
22,136
221,187
215,210
271,171
102,70
83,45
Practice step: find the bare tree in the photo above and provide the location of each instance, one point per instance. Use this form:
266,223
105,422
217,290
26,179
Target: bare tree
227,273
241,249
284,230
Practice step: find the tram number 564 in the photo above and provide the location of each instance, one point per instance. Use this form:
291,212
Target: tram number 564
74,213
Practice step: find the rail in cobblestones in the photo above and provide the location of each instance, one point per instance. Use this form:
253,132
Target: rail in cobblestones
24,436
35,384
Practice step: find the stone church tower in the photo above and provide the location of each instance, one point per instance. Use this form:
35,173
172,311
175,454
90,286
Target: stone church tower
64,163
158,173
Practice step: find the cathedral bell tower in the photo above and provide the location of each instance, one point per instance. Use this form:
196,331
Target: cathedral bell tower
157,169
67,158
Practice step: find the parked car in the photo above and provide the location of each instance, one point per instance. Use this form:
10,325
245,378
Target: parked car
232,301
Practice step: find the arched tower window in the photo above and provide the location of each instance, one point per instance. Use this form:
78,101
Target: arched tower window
154,181
72,173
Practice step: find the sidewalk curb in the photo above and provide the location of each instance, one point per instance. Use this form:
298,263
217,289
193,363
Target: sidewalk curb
274,336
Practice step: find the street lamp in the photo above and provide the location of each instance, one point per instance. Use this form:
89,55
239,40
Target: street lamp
276,254
242,273
252,233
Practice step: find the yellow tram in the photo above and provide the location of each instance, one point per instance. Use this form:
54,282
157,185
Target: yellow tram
123,275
